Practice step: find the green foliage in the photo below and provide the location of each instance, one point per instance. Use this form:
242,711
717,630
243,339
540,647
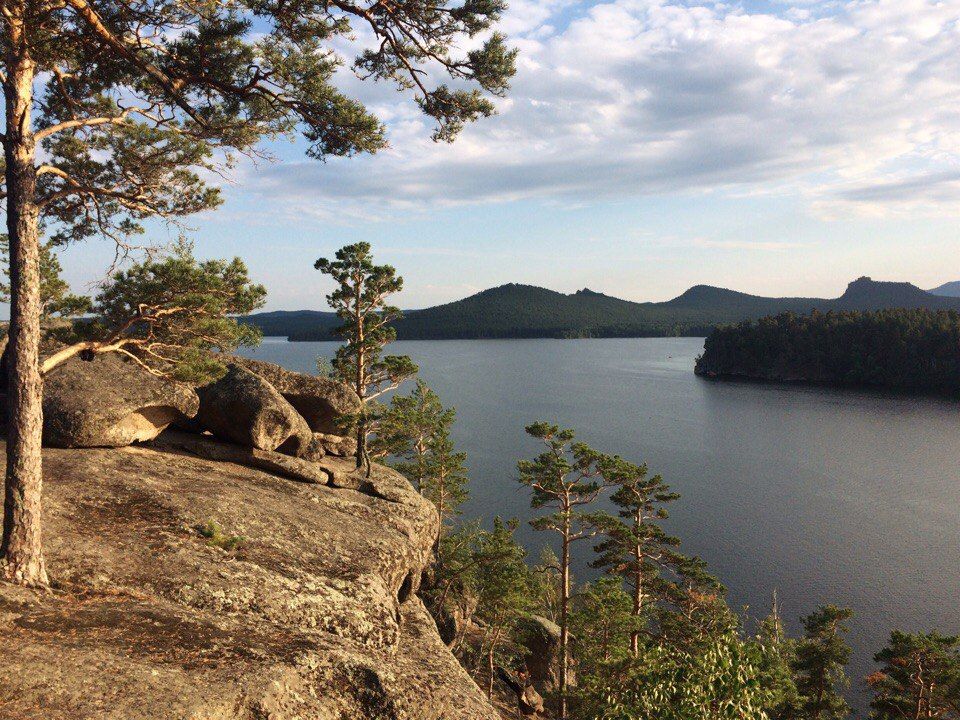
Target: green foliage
502,589
567,476
216,537
636,548
777,658
445,480
907,349
404,430
919,678
416,429
453,582
602,620
502,577
138,103
820,658
720,682
325,367
483,574
359,300
55,295
170,313
545,586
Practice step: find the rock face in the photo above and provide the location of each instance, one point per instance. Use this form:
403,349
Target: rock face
319,400
247,410
109,402
541,639
323,445
315,616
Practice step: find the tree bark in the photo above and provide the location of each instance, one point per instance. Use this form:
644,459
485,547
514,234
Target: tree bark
564,621
637,587
490,672
361,384
21,546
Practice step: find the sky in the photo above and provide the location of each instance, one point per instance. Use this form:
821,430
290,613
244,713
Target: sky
770,146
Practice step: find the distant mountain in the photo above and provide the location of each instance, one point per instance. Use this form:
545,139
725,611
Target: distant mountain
948,289
526,311
282,323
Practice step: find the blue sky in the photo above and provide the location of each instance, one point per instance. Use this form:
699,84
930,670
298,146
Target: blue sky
770,146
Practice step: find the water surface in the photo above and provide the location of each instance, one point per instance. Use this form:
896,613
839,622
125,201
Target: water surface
824,495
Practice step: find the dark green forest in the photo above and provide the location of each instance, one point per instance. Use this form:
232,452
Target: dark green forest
904,349
525,311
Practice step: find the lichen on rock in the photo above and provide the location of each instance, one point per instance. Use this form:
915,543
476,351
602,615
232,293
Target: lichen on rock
314,615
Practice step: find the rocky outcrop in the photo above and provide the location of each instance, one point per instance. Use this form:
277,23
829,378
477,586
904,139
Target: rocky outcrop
323,445
109,401
541,641
314,616
321,401
245,409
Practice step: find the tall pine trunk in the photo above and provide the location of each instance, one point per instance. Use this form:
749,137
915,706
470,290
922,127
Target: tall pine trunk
637,587
361,380
564,620
21,546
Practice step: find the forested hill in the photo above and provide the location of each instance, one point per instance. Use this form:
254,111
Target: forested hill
525,311
949,289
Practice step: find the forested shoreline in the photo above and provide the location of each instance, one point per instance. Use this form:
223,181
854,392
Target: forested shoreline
913,350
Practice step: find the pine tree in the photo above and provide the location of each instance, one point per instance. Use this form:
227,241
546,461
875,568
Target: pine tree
445,480
502,589
637,549
919,678
405,428
168,314
819,666
565,478
777,657
545,584
114,112
360,301
603,622
55,296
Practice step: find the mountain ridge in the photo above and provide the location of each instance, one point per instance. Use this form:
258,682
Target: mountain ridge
516,310
948,289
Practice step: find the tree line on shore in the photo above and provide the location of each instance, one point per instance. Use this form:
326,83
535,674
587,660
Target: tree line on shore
907,349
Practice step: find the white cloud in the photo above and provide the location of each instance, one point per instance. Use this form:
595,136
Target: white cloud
858,107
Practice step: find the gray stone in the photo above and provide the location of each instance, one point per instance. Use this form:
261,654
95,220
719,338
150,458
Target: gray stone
245,409
540,638
323,445
321,401
315,616
109,401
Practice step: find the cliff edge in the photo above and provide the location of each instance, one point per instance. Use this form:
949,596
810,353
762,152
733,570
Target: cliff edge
313,614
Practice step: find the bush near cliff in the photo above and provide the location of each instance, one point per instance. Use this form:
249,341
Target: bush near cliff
916,350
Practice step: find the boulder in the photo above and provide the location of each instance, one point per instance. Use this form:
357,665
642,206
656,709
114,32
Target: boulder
109,402
210,448
322,445
321,401
540,638
245,409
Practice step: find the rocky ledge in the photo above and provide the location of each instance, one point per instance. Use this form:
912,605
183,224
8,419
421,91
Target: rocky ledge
308,610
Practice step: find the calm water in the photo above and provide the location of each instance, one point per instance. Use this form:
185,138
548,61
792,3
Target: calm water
823,495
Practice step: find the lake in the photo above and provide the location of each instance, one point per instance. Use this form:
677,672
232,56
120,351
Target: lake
822,495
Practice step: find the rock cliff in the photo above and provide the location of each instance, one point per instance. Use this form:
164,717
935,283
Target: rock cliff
309,611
